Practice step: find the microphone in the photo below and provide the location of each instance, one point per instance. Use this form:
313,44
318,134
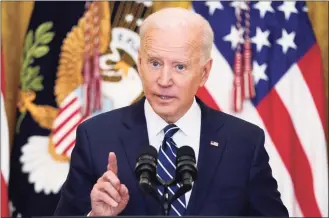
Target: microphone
186,171
146,168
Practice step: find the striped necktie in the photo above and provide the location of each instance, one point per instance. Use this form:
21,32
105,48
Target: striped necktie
166,169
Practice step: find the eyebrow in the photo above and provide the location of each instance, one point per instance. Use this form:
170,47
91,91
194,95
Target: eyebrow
149,56
155,56
152,55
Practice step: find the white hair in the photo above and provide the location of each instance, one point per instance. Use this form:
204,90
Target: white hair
180,17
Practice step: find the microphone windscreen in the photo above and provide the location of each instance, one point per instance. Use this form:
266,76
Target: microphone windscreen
185,151
148,150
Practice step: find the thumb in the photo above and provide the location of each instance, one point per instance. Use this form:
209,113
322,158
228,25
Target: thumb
112,163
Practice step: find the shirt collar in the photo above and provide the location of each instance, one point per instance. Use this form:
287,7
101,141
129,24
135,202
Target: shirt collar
187,123
154,122
190,120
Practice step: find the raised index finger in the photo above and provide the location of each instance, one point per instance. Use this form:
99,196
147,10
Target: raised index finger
112,163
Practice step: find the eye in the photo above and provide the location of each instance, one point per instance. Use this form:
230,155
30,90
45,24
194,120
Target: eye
180,67
155,64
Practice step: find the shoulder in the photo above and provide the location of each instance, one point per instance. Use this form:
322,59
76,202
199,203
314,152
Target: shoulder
236,127
237,124
242,137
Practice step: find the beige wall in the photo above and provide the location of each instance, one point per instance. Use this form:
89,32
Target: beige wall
15,17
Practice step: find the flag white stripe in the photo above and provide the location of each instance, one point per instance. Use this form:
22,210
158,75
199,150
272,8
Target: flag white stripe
66,142
298,100
69,98
221,76
70,124
69,152
4,142
67,113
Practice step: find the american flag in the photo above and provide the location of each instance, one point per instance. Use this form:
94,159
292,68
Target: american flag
289,83
4,142
66,123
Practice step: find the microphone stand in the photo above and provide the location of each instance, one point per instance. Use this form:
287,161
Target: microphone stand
149,187
166,201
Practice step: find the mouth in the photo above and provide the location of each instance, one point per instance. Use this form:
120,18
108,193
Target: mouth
165,98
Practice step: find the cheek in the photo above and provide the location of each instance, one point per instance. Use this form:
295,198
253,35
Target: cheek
187,83
148,78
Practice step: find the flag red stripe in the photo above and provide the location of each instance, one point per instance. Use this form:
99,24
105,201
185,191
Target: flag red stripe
68,147
314,78
4,198
291,151
204,95
67,105
65,121
68,132
4,192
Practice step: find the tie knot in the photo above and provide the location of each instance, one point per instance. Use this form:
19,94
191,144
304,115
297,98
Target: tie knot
170,130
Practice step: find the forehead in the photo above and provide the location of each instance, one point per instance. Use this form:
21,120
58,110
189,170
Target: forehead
174,42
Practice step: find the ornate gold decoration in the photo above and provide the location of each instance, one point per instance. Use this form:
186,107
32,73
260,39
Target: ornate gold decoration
158,5
44,115
35,46
69,72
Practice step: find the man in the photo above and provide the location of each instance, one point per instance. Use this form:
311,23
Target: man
234,176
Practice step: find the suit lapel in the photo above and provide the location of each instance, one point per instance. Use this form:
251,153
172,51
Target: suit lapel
133,138
209,157
135,133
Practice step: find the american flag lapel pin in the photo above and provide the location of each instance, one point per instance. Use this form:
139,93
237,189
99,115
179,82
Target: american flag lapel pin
213,143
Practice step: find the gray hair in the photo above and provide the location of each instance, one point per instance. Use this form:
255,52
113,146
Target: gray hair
180,17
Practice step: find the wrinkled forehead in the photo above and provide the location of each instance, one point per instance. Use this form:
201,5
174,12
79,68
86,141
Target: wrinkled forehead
172,41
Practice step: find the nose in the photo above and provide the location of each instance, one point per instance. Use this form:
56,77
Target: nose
165,78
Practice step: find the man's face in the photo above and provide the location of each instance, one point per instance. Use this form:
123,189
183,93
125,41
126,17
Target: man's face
171,69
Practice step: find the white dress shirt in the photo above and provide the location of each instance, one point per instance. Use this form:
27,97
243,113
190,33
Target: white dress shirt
188,133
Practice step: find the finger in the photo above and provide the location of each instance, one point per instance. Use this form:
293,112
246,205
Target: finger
112,163
110,190
109,176
102,196
124,193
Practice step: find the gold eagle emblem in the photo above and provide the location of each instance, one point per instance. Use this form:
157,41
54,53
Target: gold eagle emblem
71,60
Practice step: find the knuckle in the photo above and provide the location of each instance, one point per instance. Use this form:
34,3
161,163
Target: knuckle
106,175
116,182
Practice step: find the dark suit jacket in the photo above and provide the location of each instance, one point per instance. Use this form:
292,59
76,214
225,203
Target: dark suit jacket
234,178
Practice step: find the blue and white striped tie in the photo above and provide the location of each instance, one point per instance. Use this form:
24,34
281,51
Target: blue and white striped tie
166,169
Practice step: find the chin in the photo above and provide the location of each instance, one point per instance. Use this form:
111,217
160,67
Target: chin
163,110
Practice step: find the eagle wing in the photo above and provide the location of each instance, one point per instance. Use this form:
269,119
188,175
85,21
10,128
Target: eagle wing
69,71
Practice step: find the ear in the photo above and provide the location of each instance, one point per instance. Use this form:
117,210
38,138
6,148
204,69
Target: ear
205,72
